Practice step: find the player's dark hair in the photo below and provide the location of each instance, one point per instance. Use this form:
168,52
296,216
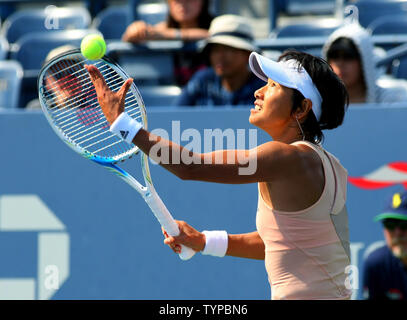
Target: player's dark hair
204,18
335,99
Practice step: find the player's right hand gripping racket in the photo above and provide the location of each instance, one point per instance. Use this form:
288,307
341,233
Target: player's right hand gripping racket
69,102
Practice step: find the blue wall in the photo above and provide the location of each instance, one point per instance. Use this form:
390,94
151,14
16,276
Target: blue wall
116,249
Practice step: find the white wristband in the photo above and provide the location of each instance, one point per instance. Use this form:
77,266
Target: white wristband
125,127
216,243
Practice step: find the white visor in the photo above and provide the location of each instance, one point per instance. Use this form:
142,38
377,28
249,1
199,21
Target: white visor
289,74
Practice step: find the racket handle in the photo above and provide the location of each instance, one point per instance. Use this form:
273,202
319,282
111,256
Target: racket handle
186,253
167,222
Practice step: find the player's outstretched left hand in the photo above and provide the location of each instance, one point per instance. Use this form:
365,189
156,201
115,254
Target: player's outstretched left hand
112,103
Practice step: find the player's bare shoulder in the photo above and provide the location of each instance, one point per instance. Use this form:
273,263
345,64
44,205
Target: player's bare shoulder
308,156
279,161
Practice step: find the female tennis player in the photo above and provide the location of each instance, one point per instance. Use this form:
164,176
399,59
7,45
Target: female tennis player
302,226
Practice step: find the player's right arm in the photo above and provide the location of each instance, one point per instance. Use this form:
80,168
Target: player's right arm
246,245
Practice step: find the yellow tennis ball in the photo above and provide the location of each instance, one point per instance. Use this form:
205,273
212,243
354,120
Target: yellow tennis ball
93,47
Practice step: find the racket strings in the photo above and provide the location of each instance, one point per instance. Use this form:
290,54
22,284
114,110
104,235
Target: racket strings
66,111
61,82
59,115
82,89
91,135
79,117
79,64
89,131
65,114
88,117
81,134
74,130
56,93
77,129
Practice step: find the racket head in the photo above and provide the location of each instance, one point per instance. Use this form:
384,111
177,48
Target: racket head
69,102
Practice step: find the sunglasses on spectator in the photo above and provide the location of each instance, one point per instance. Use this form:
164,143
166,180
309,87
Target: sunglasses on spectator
391,224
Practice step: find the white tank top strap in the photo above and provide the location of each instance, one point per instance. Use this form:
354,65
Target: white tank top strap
313,146
336,172
329,170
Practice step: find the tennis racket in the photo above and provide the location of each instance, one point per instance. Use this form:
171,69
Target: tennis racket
69,102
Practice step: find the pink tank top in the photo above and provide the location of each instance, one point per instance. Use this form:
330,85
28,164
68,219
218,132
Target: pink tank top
307,251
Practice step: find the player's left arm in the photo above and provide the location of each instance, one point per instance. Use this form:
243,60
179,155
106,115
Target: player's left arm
268,162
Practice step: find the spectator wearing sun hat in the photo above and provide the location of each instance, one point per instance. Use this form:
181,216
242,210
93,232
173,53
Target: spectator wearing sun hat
228,80
385,269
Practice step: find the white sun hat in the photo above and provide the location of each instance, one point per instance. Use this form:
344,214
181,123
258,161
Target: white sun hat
290,74
233,31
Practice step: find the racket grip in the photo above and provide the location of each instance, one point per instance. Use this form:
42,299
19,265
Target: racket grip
167,222
186,253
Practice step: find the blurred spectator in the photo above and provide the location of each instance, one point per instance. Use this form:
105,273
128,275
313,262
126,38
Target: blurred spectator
188,20
351,53
385,269
228,81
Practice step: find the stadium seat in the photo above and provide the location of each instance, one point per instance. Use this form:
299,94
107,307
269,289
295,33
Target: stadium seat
113,21
398,86
399,68
33,105
370,10
147,65
314,7
298,8
11,74
49,19
159,95
152,13
4,47
391,24
32,49
6,9
152,67
304,30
